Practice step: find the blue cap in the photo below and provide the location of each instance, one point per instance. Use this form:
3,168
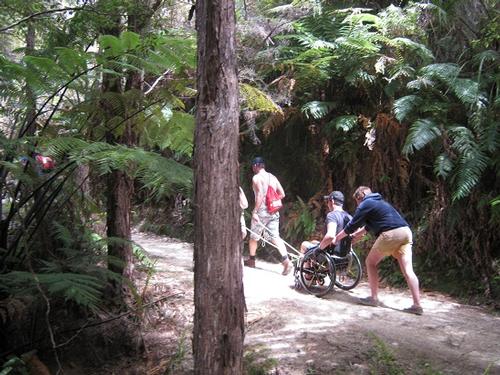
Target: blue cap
258,160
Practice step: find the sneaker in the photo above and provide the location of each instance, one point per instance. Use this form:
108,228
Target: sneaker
249,263
417,310
287,267
370,301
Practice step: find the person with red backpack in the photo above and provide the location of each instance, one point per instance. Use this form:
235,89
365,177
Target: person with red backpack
265,215
44,164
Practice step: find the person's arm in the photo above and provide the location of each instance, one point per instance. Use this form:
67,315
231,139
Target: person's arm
259,196
243,200
329,236
356,236
279,189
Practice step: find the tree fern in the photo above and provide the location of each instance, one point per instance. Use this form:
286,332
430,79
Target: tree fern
154,171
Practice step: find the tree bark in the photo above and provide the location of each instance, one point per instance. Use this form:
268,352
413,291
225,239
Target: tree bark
119,187
120,184
218,293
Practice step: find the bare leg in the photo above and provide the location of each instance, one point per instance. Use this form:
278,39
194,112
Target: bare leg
280,245
252,246
372,260
284,255
406,266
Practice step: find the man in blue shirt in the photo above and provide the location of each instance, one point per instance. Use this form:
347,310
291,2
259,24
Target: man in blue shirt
394,238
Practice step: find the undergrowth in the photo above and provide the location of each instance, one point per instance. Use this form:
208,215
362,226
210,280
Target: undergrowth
382,359
256,361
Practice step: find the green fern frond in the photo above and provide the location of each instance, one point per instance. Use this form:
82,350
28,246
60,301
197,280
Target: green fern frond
486,56
467,91
160,174
169,129
420,49
360,77
257,100
470,167
71,60
84,290
164,176
421,83
471,163
405,106
317,109
463,138
143,258
443,166
421,133
63,234
446,73
344,123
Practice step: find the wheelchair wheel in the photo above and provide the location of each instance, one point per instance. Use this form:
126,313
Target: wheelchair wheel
348,271
317,273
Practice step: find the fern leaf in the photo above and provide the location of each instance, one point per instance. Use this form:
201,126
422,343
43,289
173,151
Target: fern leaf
317,109
344,123
406,105
111,45
443,166
446,73
130,40
467,91
421,83
421,133
470,169
82,289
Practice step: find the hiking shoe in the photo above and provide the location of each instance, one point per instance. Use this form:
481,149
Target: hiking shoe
287,267
249,263
417,310
370,301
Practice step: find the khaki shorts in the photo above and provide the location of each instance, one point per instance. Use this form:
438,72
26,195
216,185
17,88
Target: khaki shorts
271,222
395,242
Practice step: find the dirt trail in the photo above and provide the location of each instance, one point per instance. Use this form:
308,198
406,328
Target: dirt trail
333,334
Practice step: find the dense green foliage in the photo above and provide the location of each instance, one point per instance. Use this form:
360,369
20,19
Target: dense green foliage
389,98
403,98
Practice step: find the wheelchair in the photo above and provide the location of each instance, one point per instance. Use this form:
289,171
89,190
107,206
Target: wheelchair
318,271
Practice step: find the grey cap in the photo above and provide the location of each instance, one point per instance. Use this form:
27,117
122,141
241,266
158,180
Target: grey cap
336,196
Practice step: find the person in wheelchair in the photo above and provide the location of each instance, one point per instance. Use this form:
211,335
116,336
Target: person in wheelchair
334,222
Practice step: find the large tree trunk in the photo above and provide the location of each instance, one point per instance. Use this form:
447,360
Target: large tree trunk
218,290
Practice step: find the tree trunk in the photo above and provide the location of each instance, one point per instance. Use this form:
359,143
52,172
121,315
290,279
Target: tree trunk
119,187
120,184
218,287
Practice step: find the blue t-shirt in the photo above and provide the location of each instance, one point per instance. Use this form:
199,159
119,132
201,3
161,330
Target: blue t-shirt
376,215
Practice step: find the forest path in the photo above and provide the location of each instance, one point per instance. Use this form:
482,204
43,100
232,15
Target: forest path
333,334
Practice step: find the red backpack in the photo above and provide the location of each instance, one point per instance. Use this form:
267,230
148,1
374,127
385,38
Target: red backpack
273,199
45,162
